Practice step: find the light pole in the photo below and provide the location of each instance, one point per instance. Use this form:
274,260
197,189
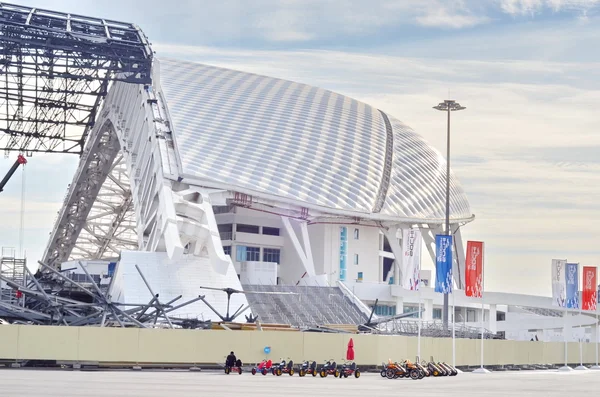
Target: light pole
448,106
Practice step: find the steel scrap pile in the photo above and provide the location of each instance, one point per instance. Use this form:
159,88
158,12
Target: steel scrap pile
49,297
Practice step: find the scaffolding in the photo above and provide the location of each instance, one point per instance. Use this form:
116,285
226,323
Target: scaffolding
55,69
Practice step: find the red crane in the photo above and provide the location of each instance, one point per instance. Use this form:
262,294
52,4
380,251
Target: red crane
20,161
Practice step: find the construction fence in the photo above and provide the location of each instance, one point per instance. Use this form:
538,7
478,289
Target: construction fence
197,347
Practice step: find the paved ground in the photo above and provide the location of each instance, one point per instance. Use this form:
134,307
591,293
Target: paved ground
20,383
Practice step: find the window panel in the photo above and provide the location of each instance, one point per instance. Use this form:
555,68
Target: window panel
271,255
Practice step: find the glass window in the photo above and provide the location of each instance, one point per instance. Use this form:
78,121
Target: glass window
356,234
253,254
271,231
227,250
246,254
225,227
220,209
356,259
247,229
409,309
437,314
271,255
470,315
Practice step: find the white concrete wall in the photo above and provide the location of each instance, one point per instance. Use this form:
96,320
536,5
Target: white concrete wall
171,278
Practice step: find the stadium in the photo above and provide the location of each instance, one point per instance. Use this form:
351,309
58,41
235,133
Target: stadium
210,196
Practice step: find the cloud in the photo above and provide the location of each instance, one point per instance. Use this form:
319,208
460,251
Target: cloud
443,17
533,7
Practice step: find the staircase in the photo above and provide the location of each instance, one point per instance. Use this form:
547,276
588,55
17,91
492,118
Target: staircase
309,306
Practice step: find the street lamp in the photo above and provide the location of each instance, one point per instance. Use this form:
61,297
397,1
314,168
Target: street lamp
448,106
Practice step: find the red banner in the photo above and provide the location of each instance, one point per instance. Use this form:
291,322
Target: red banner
589,288
474,269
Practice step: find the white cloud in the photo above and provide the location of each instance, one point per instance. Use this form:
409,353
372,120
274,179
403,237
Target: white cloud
444,17
532,7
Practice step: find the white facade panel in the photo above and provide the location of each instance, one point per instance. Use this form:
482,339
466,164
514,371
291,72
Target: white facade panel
171,278
258,273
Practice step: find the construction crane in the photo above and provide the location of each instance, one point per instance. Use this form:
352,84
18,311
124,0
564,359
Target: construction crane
20,161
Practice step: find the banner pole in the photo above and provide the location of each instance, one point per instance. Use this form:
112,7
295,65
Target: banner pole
453,331
580,343
566,366
596,342
482,331
482,370
420,318
566,343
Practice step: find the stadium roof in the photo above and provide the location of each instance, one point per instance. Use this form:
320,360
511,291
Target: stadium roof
286,141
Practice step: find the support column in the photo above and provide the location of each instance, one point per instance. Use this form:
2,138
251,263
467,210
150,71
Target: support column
428,306
399,305
305,254
493,326
390,234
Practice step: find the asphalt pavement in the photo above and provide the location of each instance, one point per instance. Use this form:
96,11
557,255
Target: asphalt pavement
150,383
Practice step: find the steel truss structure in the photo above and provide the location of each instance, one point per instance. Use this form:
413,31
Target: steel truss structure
55,69
127,181
53,298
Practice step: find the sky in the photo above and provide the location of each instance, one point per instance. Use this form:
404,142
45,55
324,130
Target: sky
526,149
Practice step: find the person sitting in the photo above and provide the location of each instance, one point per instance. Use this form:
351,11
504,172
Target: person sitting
230,361
238,363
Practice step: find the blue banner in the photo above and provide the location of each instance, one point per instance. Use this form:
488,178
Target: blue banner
443,264
343,252
572,277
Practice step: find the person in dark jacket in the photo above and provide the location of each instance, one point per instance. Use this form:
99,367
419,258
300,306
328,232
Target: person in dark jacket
231,360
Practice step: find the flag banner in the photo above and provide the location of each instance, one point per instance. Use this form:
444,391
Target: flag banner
589,299
411,259
559,283
474,264
572,278
443,264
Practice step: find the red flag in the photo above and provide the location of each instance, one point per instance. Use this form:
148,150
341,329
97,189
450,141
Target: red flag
589,288
350,351
474,269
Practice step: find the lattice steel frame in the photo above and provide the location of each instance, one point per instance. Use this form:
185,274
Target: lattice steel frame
55,69
111,225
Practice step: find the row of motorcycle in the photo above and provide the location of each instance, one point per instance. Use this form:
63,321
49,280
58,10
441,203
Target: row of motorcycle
307,368
416,370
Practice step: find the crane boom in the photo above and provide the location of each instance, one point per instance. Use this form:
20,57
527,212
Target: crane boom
20,160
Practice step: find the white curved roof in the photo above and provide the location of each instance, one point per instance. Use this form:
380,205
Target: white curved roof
277,138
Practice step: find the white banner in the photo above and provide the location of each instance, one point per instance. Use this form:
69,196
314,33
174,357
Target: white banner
559,282
411,258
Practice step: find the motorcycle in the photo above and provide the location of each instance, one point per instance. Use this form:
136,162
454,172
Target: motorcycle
308,368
